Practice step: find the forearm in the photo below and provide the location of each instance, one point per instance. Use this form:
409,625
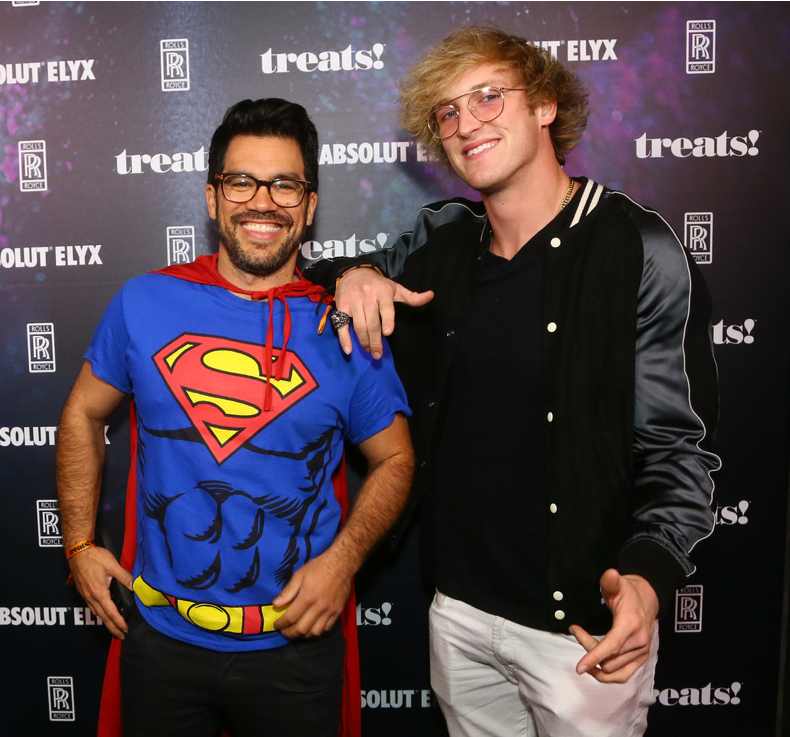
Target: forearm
376,508
317,592
79,460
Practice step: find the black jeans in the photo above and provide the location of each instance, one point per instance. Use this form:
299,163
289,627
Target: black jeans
173,689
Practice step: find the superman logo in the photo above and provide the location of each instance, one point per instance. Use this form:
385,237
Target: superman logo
220,385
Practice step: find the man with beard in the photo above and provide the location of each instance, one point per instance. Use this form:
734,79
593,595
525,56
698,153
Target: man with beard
244,557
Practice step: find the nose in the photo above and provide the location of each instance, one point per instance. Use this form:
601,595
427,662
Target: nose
467,123
262,202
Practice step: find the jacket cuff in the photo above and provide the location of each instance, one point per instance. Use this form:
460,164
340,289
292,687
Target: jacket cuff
327,271
657,566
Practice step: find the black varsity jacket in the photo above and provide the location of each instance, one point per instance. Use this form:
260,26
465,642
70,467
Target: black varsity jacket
631,384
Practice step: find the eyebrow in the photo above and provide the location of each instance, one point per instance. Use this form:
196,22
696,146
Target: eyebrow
282,175
476,87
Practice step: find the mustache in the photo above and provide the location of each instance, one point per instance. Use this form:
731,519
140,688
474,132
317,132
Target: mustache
267,217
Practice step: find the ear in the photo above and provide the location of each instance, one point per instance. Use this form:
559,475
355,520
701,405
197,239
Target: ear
211,201
547,111
312,202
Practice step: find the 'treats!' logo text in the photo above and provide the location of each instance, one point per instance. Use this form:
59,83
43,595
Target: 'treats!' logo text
174,58
350,247
700,46
705,696
732,514
374,616
702,147
688,609
742,334
346,60
698,236
41,347
61,698
49,532
32,166
193,366
162,163
180,245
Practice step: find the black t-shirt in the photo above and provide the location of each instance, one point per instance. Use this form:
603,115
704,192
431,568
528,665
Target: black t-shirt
485,517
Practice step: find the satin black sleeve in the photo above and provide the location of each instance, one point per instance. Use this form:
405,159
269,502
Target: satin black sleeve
676,410
392,260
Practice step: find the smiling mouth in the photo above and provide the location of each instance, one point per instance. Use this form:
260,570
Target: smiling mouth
480,148
256,226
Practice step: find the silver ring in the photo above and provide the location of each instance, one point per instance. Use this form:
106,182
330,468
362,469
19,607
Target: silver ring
340,319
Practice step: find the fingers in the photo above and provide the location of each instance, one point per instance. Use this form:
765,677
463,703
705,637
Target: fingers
93,570
289,592
611,584
303,619
586,640
113,620
309,623
613,659
367,297
622,675
598,651
387,314
413,299
125,578
314,597
606,648
344,336
367,324
104,609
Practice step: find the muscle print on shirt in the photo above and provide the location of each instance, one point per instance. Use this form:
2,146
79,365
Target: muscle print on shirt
217,539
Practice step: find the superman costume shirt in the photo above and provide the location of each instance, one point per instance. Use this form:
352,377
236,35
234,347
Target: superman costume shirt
238,433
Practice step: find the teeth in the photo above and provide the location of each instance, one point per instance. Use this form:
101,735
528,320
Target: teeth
480,148
262,227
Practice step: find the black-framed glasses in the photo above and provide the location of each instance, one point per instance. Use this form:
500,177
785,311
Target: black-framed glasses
243,187
485,104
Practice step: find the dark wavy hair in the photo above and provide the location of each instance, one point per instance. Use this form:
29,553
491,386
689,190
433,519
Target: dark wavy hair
266,117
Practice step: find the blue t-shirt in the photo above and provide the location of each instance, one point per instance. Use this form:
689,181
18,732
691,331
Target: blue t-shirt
232,499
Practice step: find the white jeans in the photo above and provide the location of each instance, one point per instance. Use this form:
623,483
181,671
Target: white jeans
493,677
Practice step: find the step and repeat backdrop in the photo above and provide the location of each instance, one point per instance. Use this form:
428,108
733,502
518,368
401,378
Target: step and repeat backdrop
106,112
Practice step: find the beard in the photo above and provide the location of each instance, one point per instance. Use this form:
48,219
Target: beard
260,261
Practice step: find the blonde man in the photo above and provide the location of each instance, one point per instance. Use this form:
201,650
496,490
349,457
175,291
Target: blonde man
554,344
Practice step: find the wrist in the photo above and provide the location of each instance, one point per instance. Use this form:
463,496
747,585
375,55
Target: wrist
79,547
365,265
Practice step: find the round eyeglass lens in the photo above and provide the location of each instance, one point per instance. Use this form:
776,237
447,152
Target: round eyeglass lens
485,104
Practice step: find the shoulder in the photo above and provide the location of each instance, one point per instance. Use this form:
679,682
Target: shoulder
154,285
458,208
458,211
651,227
458,218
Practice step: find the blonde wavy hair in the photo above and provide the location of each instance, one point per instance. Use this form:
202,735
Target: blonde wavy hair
543,77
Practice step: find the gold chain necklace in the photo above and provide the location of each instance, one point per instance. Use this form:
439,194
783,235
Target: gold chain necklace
567,198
